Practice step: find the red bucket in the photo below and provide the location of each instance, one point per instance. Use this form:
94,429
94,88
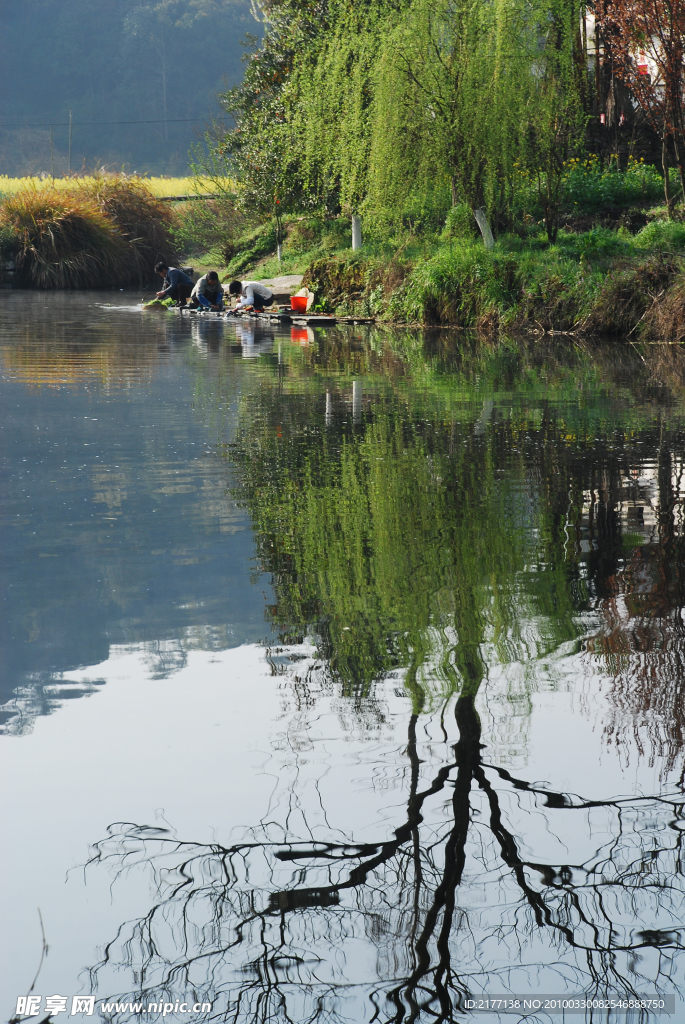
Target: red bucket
299,303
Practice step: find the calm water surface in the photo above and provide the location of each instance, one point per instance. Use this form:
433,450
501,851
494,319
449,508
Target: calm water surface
342,673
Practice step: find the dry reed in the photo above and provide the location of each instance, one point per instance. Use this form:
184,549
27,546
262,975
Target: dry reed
63,240
107,231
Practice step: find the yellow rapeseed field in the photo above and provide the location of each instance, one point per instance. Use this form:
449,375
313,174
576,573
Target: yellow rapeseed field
158,186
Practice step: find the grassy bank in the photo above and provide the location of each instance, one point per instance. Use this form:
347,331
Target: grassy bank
602,280
617,265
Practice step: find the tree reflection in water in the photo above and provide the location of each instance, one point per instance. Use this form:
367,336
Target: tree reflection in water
269,928
428,541
642,640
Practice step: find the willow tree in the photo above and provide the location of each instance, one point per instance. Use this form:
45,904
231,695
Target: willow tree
409,106
333,98
465,91
262,146
551,92
433,100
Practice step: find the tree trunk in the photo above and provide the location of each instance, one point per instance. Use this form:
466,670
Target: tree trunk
598,73
680,164
356,232
485,230
667,182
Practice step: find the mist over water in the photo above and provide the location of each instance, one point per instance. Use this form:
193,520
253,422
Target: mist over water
342,672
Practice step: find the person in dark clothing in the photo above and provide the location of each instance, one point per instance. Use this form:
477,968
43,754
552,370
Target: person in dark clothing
177,285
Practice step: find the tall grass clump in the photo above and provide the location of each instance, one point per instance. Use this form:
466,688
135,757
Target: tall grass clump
145,221
63,240
465,285
102,231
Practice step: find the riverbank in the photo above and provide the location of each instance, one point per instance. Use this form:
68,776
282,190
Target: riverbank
603,280
616,266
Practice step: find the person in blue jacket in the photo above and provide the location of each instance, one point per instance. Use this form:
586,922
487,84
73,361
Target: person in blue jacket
177,285
208,292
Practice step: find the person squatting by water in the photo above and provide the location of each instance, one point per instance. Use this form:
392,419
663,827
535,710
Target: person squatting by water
251,293
177,285
208,293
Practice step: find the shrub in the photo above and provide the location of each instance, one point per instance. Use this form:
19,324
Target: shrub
459,223
665,235
208,227
665,319
304,234
143,219
460,285
589,186
337,279
601,242
64,240
628,292
338,234
552,289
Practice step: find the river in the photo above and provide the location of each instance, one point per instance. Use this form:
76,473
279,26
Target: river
343,671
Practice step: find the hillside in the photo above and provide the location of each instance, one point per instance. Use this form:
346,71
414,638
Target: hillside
114,62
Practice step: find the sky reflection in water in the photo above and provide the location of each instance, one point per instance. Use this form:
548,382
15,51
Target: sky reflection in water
382,640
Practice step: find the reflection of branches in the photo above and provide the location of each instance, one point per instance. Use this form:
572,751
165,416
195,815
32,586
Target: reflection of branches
643,639
271,929
647,656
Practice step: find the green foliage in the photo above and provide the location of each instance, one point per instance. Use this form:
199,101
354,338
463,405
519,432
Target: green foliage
208,228
589,186
459,222
598,244
316,232
9,243
666,235
599,280
549,99
337,279
459,285
404,541
402,111
372,555
250,249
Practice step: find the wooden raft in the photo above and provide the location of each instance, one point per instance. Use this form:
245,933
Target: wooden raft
282,317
